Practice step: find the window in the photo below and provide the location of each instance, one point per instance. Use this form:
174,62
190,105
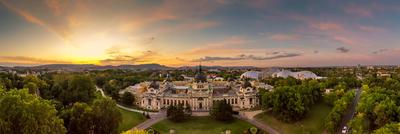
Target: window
251,100
149,102
235,100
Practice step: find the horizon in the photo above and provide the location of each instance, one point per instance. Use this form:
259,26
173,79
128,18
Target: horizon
259,33
1,65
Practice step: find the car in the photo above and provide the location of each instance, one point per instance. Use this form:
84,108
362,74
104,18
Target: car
344,130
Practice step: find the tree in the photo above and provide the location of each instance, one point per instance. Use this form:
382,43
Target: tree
80,89
332,121
32,88
393,128
106,116
176,113
21,113
128,98
79,119
221,111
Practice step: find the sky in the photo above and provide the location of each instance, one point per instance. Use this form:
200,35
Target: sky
262,33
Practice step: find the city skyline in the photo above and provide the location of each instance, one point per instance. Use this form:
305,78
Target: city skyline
178,33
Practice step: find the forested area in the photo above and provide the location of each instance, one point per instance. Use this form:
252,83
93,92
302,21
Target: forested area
55,103
378,110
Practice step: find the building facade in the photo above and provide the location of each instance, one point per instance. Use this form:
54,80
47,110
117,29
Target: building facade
199,93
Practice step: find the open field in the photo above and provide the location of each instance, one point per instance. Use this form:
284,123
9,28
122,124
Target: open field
202,125
130,119
313,123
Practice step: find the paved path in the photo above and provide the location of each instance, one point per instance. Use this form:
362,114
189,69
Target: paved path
153,120
126,108
350,113
258,124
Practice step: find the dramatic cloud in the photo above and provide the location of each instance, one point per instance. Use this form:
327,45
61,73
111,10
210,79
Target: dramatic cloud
119,59
343,49
268,56
68,18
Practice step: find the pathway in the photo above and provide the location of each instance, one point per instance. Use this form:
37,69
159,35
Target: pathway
153,120
249,117
123,107
351,111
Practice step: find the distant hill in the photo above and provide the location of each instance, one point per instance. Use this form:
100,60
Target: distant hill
217,67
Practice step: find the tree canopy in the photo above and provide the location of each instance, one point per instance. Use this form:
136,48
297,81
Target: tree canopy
21,112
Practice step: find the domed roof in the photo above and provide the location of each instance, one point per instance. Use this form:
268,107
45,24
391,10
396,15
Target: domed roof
250,74
246,84
200,76
305,75
154,85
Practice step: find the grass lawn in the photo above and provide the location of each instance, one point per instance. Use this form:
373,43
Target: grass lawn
313,123
130,119
202,125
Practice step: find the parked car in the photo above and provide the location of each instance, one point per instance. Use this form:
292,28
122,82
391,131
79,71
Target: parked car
344,130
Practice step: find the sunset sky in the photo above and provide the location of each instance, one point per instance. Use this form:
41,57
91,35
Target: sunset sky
186,32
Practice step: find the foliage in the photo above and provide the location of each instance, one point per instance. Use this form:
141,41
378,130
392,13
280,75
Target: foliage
379,105
333,119
21,112
79,119
100,117
107,117
393,128
135,131
291,103
178,113
221,111
128,99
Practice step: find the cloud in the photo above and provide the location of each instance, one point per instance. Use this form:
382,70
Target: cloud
226,45
343,49
268,56
371,29
188,26
81,17
380,51
117,58
29,60
344,40
284,37
327,26
358,11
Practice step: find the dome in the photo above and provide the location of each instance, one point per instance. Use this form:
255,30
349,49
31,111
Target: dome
154,85
200,76
297,75
246,84
250,74
283,74
305,75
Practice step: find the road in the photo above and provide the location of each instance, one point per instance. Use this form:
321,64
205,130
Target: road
350,113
